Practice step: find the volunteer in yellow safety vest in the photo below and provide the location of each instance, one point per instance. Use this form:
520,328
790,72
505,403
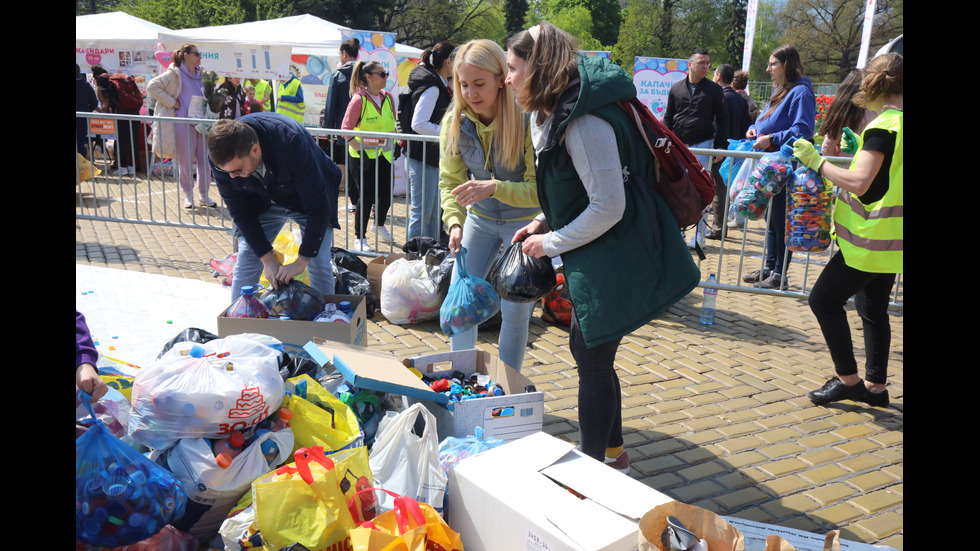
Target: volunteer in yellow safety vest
290,99
868,219
371,109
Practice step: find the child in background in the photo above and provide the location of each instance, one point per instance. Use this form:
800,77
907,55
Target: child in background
252,105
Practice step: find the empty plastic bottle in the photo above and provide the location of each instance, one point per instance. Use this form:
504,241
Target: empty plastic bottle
331,314
708,304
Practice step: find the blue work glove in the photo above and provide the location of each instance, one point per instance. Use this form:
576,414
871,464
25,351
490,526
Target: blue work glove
807,154
850,143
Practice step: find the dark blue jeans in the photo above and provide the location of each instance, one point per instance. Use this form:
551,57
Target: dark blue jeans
776,236
600,409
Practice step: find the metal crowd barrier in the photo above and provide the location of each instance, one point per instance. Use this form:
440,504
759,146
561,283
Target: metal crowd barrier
153,196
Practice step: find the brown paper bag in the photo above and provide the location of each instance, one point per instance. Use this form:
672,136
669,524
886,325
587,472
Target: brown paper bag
832,541
708,526
776,543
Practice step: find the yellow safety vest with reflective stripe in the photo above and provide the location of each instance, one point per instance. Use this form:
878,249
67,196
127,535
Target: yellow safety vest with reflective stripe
373,121
295,111
264,90
870,236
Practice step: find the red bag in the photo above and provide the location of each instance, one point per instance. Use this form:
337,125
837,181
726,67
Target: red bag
684,184
128,95
557,304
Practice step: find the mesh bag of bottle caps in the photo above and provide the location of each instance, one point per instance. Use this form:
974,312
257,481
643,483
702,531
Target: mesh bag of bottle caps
121,497
295,299
206,390
807,212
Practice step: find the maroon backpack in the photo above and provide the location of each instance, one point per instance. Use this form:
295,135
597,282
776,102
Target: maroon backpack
128,96
681,180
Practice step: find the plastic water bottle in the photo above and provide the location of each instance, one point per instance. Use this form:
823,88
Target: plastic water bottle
247,305
345,308
708,305
331,314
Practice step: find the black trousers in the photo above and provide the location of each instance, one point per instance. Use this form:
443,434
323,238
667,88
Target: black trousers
837,283
364,181
600,408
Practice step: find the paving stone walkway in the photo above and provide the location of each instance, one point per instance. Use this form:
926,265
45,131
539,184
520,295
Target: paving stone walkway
714,416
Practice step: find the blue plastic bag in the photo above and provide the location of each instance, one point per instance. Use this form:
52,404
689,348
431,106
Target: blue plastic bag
728,171
121,497
452,450
469,302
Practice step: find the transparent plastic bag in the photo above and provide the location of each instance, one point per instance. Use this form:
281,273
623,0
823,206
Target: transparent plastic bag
751,192
469,302
183,396
808,212
121,497
408,293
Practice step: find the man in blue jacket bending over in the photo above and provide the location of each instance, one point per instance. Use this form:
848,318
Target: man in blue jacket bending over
270,169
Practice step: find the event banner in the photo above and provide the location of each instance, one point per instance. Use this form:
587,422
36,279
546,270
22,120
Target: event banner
653,78
313,72
599,53
380,47
133,59
239,60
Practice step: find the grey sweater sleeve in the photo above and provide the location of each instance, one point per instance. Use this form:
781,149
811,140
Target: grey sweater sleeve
591,144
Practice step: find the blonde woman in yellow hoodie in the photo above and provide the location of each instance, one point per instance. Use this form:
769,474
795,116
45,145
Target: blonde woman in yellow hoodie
486,179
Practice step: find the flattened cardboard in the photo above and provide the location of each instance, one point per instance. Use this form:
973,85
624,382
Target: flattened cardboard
294,334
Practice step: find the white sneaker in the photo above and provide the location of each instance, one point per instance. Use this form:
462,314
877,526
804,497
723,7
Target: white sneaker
362,245
383,233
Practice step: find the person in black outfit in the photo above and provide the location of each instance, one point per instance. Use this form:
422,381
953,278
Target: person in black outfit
738,125
85,102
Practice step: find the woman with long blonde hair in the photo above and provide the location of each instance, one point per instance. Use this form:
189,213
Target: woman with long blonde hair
486,179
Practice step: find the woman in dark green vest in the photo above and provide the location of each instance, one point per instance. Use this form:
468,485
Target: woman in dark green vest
625,261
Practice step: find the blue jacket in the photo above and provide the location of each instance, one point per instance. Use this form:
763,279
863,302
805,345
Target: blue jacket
793,118
299,176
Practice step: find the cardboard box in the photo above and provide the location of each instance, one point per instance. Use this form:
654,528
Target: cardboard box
294,334
520,496
519,412
375,269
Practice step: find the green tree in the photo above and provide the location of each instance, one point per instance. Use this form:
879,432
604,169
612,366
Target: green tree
828,32
768,37
735,13
515,11
604,17
422,23
671,28
577,21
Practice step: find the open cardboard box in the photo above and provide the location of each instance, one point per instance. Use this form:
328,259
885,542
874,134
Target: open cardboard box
294,334
375,269
519,412
525,495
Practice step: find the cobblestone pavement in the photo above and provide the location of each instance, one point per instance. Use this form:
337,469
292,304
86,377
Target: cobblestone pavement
714,416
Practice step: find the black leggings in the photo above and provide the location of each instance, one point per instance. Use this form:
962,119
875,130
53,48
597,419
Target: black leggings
365,186
600,409
837,283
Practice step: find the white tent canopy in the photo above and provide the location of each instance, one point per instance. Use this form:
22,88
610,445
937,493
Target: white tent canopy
304,34
117,41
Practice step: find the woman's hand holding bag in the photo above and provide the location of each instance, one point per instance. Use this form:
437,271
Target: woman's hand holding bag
518,277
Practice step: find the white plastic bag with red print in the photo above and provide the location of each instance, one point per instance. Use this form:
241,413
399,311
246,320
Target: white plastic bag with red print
206,390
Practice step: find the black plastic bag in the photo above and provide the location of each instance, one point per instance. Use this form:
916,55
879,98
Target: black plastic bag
295,299
518,277
191,334
351,283
418,247
343,258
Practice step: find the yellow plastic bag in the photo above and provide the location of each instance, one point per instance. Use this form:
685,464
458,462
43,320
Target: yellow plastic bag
302,503
410,526
286,251
85,170
313,423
